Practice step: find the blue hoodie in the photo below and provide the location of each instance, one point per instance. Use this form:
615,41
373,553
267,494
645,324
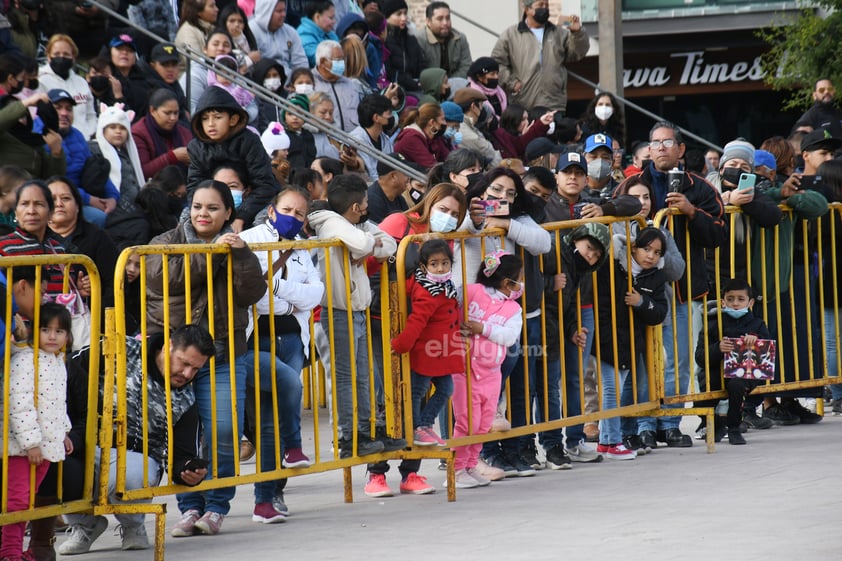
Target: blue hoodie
311,35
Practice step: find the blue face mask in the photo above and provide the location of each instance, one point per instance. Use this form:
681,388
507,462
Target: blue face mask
457,138
287,226
449,132
238,198
736,314
442,222
338,67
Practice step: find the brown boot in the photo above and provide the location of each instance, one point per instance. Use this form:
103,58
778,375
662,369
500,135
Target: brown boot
42,534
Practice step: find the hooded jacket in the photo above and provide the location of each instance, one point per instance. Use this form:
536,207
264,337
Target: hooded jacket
652,310
311,35
705,230
431,80
539,68
16,142
241,149
267,111
283,44
458,51
372,45
360,240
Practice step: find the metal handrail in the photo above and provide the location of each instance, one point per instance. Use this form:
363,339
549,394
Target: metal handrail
654,116
267,95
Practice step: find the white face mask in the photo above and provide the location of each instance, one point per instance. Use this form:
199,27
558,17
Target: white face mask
603,112
305,89
272,83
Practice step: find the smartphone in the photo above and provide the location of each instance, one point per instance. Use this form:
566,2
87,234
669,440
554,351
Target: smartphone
577,210
747,181
674,178
496,207
810,182
196,464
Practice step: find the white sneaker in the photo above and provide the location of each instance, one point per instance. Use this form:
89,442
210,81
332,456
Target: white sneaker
134,537
82,537
464,480
583,453
489,472
474,472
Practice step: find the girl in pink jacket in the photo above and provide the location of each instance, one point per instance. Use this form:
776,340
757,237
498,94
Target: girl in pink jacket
494,324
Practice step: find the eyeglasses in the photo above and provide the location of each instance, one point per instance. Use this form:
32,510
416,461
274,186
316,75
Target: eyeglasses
668,143
826,90
500,191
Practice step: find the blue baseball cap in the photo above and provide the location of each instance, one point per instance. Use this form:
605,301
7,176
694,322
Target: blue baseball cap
571,159
595,141
765,159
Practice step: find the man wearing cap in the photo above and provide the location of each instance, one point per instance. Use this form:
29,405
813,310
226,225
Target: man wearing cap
483,76
700,226
375,116
163,73
385,194
471,101
599,155
276,39
818,147
823,114
77,152
532,55
441,45
765,167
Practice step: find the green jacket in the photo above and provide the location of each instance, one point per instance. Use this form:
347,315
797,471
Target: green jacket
458,52
13,151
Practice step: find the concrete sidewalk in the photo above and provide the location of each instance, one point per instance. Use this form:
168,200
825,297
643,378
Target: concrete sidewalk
776,498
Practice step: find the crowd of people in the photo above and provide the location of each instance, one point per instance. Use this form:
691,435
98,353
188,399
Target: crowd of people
107,147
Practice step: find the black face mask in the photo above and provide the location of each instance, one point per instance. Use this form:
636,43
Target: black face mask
100,83
483,115
542,15
473,178
492,83
33,84
416,195
446,93
390,124
732,176
61,66
440,132
17,89
537,206
580,262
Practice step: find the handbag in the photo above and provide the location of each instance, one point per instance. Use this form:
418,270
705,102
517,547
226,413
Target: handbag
80,317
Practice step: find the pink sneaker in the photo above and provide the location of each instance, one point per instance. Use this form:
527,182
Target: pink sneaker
425,437
187,525
415,484
616,452
295,458
210,523
377,487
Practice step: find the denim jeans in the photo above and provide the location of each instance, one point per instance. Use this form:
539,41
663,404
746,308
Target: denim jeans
134,480
342,380
288,348
636,425
575,368
680,329
554,437
426,416
518,395
218,500
832,356
609,428
289,389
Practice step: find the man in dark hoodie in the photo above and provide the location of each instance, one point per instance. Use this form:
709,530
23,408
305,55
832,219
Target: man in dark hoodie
823,114
221,138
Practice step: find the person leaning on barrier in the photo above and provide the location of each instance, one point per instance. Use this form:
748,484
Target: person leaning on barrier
699,225
211,214
189,349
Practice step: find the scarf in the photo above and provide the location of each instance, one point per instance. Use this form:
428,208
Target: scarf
435,288
163,140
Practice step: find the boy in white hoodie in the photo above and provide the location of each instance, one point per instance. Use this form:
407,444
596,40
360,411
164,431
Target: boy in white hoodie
346,220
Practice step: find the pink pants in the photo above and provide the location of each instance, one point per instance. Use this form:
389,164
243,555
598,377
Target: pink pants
485,390
18,499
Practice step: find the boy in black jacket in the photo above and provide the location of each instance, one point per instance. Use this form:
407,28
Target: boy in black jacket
737,322
219,125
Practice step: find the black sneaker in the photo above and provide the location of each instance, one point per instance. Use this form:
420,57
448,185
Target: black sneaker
736,437
755,421
500,462
780,416
648,440
557,459
837,407
806,416
392,444
365,446
529,455
521,467
633,442
674,438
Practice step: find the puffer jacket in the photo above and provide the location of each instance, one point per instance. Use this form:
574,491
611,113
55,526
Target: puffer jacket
247,289
652,310
539,68
241,149
458,52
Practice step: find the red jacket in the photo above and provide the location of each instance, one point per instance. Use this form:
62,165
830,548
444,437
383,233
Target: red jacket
431,335
511,146
151,162
414,145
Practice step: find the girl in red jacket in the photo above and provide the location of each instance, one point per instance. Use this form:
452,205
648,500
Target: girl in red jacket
431,337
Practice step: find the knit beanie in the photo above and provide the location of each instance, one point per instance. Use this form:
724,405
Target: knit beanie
389,7
738,149
452,112
298,100
274,138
